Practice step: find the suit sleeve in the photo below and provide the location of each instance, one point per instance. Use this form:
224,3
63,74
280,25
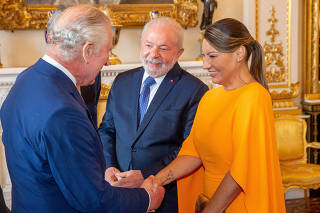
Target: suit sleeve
107,133
75,158
187,121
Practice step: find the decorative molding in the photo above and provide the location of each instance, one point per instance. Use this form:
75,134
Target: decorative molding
276,82
287,93
108,73
278,72
15,15
132,16
275,68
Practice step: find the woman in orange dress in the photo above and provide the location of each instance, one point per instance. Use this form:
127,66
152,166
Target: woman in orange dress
233,134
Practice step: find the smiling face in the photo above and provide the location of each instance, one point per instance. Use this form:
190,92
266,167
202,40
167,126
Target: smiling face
160,49
222,66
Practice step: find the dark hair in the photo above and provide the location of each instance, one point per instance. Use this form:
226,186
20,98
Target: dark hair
227,35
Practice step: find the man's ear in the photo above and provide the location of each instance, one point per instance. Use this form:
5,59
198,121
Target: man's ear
180,52
87,51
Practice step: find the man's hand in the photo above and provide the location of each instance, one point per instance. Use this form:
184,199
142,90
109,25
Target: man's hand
111,175
155,192
129,179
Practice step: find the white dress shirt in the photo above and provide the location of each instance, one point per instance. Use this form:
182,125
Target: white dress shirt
153,88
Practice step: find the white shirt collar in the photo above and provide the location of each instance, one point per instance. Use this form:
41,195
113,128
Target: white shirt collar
158,80
60,67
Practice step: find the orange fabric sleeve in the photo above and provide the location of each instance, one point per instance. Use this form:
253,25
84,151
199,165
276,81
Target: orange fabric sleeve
191,186
255,165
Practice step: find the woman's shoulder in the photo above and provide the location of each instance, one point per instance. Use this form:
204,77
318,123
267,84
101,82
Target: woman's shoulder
252,94
253,90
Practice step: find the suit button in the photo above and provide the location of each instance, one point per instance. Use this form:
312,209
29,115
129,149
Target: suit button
133,149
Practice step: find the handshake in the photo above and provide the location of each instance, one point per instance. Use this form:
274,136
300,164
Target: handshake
134,179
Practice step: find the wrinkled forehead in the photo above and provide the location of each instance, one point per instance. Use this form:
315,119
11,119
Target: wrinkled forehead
162,34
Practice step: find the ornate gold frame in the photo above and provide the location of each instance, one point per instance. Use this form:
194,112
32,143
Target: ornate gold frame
15,15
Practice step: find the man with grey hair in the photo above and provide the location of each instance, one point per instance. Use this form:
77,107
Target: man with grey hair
53,150
150,111
89,93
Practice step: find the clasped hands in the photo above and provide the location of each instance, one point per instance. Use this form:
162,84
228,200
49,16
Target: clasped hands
134,179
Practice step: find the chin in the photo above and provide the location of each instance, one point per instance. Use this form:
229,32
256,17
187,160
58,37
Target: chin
153,74
215,81
92,82
157,73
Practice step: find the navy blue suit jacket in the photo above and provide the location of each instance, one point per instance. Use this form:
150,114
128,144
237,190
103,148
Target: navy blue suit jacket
156,141
53,150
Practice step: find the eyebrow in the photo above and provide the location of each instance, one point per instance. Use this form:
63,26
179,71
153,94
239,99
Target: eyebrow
212,52
161,45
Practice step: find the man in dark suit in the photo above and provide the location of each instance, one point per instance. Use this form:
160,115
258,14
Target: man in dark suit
53,151
140,137
89,93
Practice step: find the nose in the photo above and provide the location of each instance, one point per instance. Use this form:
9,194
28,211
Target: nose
154,52
107,63
205,63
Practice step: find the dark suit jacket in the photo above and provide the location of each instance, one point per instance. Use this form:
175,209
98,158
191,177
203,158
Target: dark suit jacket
53,151
167,122
90,95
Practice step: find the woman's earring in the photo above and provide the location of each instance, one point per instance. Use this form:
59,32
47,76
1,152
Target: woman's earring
238,60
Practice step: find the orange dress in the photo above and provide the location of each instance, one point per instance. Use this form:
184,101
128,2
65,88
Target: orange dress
234,131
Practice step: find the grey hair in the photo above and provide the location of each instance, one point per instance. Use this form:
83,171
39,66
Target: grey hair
52,21
169,21
69,36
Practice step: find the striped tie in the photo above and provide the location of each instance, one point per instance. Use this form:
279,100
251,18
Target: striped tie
144,97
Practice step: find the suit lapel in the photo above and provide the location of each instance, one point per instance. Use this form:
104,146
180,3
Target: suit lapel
164,89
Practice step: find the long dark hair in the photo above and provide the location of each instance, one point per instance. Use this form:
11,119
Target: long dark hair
227,35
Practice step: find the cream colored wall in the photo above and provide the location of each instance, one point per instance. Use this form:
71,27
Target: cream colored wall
23,48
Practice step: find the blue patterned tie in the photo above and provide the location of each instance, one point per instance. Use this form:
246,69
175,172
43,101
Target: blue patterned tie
144,97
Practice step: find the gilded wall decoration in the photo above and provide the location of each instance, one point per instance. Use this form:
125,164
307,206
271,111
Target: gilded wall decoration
16,15
276,40
275,68
277,59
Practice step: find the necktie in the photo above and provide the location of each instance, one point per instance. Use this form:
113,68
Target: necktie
144,97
